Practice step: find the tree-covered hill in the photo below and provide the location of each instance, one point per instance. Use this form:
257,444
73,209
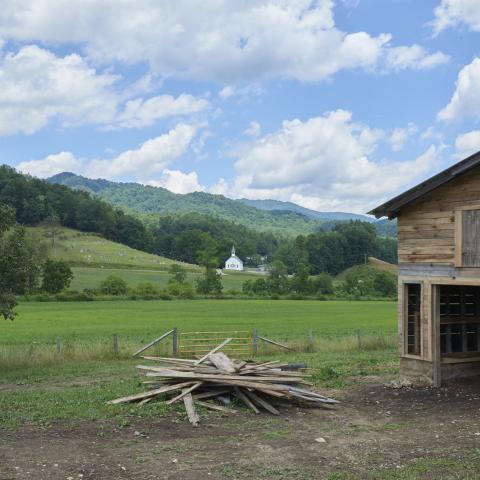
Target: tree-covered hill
270,215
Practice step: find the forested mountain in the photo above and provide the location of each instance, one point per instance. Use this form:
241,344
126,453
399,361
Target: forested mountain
276,205
263,215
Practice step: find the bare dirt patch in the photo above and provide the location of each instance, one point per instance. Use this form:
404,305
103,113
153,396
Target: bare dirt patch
376,429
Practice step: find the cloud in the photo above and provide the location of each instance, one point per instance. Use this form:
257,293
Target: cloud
467,144
451,13
150,158
253,129
36,86
178,182
400,136
465,101
140,113
414,57
51,165
326,162
220,188
222,41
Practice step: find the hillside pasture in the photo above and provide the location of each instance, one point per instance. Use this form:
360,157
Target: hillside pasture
88,249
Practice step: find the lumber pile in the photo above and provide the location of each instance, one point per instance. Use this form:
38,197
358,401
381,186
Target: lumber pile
215,380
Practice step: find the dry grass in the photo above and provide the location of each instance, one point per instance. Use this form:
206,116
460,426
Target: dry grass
45,355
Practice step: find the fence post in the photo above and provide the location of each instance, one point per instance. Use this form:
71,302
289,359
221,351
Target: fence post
359,338
255,341
174,342
58,344
115,343
310,336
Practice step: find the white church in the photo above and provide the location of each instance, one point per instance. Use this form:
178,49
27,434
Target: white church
234,262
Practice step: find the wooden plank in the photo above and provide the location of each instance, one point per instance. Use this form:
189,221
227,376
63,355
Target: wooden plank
190,408
241,395
222,362
216,349
263,403
218,408
185,391
150,393
273,342
138,352
458,238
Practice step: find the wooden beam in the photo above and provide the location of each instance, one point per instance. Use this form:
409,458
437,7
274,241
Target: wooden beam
152,343
216,349
274,343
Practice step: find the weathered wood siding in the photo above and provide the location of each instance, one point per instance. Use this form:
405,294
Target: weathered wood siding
426,229
470,238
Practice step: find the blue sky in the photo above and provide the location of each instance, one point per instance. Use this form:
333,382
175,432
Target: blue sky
335,105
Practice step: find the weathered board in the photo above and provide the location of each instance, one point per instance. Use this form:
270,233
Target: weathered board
427,229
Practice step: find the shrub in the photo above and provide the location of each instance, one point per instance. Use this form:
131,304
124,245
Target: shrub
323,284
181,290
385,284
57,275
147,290
113,285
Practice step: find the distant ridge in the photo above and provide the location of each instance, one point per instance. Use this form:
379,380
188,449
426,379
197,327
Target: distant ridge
265,215
272,205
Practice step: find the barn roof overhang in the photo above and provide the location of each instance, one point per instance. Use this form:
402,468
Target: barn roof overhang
393,207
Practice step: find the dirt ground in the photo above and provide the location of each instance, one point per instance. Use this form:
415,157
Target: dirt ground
375,429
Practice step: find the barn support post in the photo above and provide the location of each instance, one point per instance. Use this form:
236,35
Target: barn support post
435,339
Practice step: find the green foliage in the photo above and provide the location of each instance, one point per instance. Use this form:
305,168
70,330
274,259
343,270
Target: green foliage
367,281
57,275
147,290
323,284
113,285
37,201
178,273
153,201
210,283
181,290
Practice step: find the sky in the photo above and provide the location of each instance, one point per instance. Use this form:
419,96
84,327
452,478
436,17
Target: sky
334,105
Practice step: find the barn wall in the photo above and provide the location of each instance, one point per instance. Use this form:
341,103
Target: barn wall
426,229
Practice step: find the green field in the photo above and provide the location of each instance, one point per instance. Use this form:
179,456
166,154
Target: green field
143,320
89,277
80,248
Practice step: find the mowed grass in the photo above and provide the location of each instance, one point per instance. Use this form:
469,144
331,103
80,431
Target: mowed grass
85,277
143,320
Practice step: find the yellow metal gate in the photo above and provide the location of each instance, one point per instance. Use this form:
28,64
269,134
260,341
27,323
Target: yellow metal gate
191,344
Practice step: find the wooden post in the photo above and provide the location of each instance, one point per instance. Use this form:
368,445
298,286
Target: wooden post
436,354
310,336
255,341
58,344
359,338
115,343
174,342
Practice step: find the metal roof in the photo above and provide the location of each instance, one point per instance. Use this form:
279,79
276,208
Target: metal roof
392,208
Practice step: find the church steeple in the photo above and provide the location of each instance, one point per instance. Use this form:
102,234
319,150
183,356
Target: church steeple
233,250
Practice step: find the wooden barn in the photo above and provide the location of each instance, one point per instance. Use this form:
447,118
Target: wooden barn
439,274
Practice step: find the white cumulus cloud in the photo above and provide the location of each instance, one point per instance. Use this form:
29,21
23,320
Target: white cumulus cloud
467,144
465,101
222,41
178,182
152,157
51,165
413,57
253,129
325,162
451,13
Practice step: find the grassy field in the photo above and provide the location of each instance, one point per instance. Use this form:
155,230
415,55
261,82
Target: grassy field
88,277
142,320
80,248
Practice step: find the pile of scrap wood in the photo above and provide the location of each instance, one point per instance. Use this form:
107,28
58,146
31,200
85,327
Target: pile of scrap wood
217,377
